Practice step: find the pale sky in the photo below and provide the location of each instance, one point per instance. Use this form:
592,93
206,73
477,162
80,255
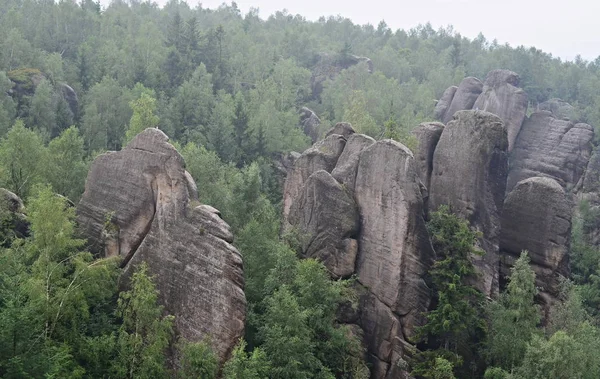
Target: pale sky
564,28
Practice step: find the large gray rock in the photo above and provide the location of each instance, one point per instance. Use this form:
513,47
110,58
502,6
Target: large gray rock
502,97
465,96
13,221
326,216
549,147
559,109
428,135
321,156
345,169
442,105
137,204
309,121
537,218
341,128
470,166
394,247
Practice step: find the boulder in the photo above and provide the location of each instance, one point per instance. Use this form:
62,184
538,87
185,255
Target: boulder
321,156
326,217
465,96
444,102
309,122
341,128
549,147
537,218
12,218
502,97
139,204
470,166
428,135
347,164
560,109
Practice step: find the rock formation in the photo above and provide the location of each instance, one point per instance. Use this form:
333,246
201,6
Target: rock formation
537,218
141,204
560,109
12,218
328,216
470,166
366,218
464,97
549,147
499,95
309,122
428,135
502,97
321,156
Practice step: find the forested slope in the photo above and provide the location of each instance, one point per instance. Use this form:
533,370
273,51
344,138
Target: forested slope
77,80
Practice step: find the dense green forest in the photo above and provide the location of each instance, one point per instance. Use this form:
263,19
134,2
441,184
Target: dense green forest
227,88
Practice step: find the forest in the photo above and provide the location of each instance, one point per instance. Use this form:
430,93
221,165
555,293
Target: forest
77,80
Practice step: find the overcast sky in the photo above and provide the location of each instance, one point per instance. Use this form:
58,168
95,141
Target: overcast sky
564,28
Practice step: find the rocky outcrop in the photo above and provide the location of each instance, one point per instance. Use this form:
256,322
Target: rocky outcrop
549,147
309,122
442,105
502,97
140,204
428,135
560,109
537,218
14,223
342,128
366,218
328,66
321,156
470,166
327,216
464,97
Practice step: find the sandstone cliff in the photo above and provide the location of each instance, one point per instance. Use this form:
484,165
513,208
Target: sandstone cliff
140,203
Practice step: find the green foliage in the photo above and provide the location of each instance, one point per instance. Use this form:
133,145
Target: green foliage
197,361
456,324
143,116
513,317
21,153
244,365
145,334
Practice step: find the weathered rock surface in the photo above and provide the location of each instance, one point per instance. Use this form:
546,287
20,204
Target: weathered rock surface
549,147
464,97
12,218
502,97
394,248
559,109
138,204
537,218
327,217
442,105
341,128
367,218
428,135
470,166
309,122
345,169
321,156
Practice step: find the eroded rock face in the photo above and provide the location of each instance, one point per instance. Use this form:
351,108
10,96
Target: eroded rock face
327,218
464,97
342,128
549,147
309,121
559,109
441,107
502,97
138,204
470,166
371,204
12,216
537,218
321,156
428,135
